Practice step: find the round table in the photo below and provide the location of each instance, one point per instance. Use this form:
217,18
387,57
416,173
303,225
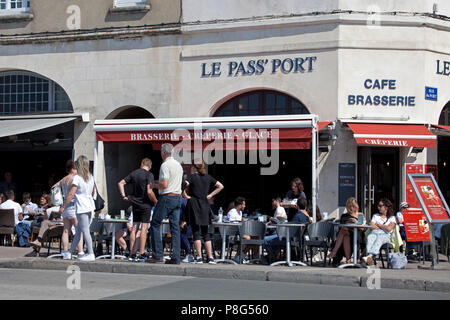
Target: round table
288,243
355,228
223,226
113,240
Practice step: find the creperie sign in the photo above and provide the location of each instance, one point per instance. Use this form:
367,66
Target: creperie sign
396,143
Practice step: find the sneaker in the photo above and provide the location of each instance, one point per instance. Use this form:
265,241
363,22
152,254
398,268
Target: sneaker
142,257
188,259
364,259
88,257
172,261
80,255
132,258
154,260
212,261
198,260
245,260
66,255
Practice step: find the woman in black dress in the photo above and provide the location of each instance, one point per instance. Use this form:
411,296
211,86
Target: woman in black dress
198,208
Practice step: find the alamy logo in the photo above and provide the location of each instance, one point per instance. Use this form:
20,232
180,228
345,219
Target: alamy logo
374,280
374,20
74,20
73,282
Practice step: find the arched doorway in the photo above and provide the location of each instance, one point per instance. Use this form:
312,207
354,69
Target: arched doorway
245,179
121,159
444,154
38,133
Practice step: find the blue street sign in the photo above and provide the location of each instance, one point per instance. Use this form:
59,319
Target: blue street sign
431,93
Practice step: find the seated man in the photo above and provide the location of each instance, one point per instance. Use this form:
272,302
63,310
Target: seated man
28,208
235,214
22,227
300,217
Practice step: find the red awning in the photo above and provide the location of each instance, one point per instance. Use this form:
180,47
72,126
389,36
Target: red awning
393,135
441,127
322,125
225,133
288,138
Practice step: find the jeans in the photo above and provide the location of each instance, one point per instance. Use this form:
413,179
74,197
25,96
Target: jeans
375,240
268,245
167,206
185,240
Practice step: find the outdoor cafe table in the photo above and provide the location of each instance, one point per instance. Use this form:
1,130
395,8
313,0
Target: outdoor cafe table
355,228
223,226
114,222
288,243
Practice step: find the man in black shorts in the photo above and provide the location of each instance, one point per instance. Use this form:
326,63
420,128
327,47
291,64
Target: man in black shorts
142,201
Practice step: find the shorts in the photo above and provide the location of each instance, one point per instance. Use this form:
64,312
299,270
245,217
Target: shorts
69,212
142,215
200,232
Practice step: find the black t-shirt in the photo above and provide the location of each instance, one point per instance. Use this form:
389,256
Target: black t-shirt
140,178
290,195
199,185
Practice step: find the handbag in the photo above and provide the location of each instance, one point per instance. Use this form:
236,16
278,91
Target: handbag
98,201
398,260
56,196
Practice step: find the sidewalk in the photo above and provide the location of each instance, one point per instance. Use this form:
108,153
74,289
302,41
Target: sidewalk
411,279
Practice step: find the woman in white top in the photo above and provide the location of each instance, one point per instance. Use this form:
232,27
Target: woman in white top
69,217
82,190
383,223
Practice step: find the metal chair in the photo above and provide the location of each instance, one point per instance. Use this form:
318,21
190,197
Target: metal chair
288,233
256,230
7,224
320,236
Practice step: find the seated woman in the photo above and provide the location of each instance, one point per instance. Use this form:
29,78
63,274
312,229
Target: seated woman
345,236
383,223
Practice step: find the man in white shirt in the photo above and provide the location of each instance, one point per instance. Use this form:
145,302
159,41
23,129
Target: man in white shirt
28,207
11,204
235,214
169,204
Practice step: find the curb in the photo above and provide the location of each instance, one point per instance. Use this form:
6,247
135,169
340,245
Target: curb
227,272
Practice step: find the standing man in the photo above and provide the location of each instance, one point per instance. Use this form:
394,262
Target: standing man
142,201
8,184
169,185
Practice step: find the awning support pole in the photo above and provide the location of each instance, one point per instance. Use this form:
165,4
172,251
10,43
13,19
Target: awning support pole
314,166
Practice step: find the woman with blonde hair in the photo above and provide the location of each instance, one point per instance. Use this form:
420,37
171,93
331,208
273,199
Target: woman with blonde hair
82,190
345,236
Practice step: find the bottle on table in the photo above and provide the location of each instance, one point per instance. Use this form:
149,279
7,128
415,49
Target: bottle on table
220,214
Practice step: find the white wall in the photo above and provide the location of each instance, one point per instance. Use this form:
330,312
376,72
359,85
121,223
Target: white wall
205,10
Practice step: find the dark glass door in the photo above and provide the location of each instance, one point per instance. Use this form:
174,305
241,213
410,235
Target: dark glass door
378,177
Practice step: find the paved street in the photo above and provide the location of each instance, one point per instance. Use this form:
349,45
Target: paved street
48,284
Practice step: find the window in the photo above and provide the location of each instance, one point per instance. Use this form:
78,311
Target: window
262,102
26,92
129,3
444,118
14,6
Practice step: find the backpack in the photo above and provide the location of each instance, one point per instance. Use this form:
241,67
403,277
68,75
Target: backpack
398,260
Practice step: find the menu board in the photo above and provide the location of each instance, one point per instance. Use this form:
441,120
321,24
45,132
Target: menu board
430,197
347,182
417,227
410,195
